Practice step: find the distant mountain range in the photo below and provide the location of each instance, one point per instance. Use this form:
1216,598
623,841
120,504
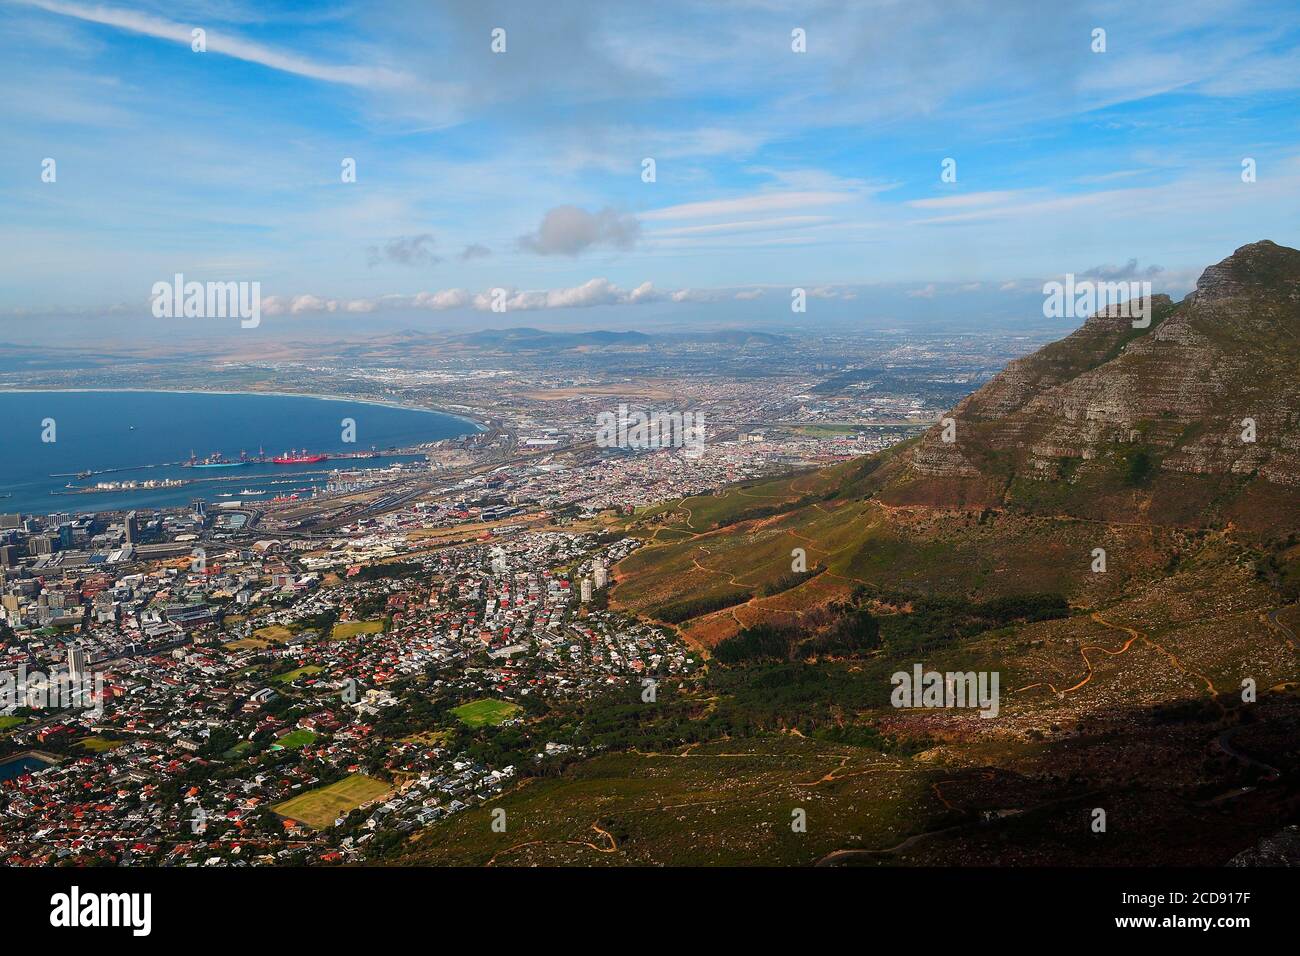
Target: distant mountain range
541,340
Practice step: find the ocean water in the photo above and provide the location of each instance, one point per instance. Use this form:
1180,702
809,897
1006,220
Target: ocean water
15,768
143,435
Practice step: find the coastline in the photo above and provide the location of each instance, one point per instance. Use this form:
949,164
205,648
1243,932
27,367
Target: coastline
479,426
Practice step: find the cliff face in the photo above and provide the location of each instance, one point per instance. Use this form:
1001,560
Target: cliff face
1111,418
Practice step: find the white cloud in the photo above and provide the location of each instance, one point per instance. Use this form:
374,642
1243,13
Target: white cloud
758,203
645,292
228,44
593,292
750,225
964,200
297,305
833,292
441,300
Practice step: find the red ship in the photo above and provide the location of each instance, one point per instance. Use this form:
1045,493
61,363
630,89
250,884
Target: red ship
296,457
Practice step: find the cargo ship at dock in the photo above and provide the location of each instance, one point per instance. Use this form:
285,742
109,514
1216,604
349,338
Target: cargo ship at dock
293,457
217,460
296,457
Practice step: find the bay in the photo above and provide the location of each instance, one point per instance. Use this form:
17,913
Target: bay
119,432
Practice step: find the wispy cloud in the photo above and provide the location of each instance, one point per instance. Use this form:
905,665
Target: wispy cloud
751,225
744,205
963,200
774,169
228,44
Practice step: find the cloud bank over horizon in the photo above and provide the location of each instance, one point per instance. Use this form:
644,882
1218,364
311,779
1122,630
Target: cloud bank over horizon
365,161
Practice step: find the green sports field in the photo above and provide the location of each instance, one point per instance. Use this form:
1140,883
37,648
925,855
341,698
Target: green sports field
485,712
320,807
293,675
295,739
345,629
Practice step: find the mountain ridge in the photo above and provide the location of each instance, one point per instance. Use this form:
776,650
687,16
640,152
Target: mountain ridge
1122,413
1113,437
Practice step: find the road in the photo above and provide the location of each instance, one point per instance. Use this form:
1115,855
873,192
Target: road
1274,620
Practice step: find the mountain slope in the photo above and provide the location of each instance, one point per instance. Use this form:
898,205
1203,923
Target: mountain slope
1121,688
1119,423
1117,438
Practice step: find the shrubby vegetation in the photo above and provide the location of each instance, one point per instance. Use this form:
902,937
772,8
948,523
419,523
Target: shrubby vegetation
321,623
760,642
678,611
847,630
1279,566
1139,468
933,622
767,511
394,569
791,580
851,630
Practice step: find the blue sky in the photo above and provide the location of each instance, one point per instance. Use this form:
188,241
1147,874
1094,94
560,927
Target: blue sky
522,170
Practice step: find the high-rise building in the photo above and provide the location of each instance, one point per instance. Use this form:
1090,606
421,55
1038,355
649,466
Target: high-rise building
199,508
132,529
8,555
586,590
77,661
601,575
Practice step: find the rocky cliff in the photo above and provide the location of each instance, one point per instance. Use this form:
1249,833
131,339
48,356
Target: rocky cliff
1195,418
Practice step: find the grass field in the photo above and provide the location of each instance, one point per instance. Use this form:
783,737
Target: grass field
276,633
293,675
485,712
99,745
7,722
320,807
346,629
249,644
295,739
239,749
